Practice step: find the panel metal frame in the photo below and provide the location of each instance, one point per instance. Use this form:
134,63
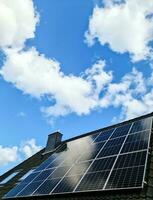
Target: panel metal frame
144,174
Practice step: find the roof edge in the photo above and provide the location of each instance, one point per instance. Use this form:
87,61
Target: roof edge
109,127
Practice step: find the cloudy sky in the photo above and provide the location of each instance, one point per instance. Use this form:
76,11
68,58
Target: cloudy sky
72,66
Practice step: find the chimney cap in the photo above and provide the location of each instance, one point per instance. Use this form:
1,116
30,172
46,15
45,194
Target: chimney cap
55,133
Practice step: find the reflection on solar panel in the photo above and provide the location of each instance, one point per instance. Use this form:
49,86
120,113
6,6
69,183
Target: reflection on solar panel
107,160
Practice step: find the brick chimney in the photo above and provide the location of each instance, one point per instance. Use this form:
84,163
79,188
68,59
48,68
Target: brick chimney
54,140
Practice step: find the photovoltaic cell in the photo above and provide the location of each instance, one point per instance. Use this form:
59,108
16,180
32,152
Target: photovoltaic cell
92,152
31,177
29,189
115,142
131,177
44,174
94,136
46,187
109,151
131,159
16,190
141,125
106,160
93,181
113,147
50,160
121,131
79,168
137,141
67,184
128,171
102,164
104,136
55,163
59,172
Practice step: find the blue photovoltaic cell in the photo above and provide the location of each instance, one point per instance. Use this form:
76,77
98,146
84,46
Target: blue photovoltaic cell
131,177
105,160
55,163
113,147
49,161
131,159
29,189
79,168
46,187
94,150
31,177
121,131
93,181
95,135
16,190
44,174
137,141
104,136
67,184
141,125
102,164
59,172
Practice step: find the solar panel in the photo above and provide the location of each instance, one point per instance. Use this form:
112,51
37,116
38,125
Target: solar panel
107,160
49,162
113,146
121,131
131,159
46,187
44,174
103,136
141,125
131,177
66,185
89,155
93,181
79,168
128,171
102,164
136,141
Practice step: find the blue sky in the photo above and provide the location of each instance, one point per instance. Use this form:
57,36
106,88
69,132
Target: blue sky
73,66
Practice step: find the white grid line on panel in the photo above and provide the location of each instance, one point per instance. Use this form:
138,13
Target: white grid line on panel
117,157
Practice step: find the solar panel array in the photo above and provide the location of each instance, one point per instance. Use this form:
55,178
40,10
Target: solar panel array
107,160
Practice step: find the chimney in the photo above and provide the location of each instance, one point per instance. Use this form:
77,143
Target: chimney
54,140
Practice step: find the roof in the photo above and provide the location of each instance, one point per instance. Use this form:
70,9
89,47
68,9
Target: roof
145,193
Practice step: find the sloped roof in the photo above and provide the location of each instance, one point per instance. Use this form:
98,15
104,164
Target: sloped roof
34,161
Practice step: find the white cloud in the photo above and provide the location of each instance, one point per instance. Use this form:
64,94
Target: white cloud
29,148
124,26
36,75
39,76
8,154
98,76
80,94
17,22
17,153
131,94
